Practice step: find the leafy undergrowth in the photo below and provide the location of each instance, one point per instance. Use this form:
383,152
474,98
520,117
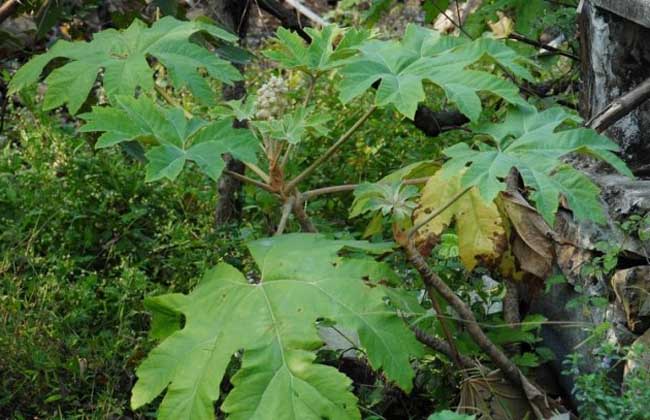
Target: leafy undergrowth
83,240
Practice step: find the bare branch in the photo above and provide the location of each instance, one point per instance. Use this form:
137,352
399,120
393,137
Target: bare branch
620,107
304,10
286,16
441,346
546,47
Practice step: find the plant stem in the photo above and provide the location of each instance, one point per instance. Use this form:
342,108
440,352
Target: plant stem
286,210
436,213
305,222
538,44
258,171
441,346
310,93
310,90
328,154
244,178
455,355
350,187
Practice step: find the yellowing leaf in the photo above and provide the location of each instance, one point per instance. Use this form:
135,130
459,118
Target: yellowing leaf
503,27
481,236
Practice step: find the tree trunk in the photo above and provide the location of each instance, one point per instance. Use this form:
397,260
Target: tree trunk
616,59
614,37
233,15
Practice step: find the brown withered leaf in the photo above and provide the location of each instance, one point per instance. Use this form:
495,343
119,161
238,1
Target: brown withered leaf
532,242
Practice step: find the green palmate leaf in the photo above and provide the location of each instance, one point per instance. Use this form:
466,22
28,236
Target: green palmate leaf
303,279
294,126
123,58
531,142
425,55
174,139
328,47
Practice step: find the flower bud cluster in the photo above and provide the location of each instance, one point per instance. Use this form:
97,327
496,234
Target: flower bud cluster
272,99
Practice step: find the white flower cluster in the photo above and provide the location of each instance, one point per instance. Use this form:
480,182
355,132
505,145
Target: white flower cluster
271,99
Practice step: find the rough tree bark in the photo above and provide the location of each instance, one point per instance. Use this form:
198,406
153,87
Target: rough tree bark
232,14
615,60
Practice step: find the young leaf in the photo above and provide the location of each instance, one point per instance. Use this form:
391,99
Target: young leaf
303,279
177,139
293,126
386,198
423,54
320,55
123,58
529,141
481,236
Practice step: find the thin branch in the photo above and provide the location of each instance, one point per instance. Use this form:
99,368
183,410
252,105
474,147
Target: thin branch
455,354
286,210
244,178
458,25
620,107
546,47
286,16
436,213
351,187
333,149
304,10
441,346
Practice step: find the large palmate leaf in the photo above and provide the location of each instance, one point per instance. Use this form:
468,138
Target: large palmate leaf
274,322
175,138
425,55
481,235
324,52
531,142
123,58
